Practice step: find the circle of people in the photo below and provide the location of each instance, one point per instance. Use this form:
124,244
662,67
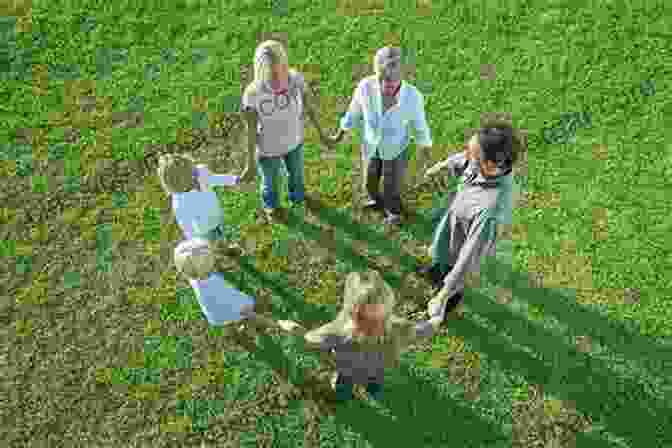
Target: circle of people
385,108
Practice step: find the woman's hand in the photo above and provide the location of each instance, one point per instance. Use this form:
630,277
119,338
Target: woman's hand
248,174
434,170
289,326
329,142
337,137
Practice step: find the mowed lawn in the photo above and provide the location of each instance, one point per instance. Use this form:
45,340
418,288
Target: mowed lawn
565,340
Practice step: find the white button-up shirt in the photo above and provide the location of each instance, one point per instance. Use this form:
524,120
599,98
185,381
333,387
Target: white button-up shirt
387,133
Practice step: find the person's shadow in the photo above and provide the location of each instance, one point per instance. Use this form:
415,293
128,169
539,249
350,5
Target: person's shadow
567,363
626,405
421,413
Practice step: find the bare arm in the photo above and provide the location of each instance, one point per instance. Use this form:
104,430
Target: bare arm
312,106
217,180
251,121
352,118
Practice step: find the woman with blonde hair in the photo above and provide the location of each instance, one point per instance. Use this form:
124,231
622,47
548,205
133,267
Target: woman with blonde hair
366,336
273,105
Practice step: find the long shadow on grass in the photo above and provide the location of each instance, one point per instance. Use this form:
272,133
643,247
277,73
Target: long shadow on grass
626,406
589,396
610,333
372,235
419,423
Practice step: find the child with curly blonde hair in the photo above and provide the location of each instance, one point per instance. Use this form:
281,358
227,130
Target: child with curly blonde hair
195,204
366,337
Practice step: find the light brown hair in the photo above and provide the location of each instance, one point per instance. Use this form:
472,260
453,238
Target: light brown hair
176,173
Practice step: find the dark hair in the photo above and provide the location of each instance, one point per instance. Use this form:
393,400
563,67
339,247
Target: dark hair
497,144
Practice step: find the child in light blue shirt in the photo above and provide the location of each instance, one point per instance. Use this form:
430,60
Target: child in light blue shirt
195,204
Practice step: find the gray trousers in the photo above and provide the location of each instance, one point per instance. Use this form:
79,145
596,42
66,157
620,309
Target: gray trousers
392,172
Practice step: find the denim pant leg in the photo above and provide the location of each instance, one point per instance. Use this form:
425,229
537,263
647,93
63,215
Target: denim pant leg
343,388
216,234
269,172
394,172
295,180
440,243
375,390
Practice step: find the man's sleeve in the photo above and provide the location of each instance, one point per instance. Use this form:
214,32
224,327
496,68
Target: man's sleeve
321,340
449,171
424,329
456,164
422,133
353,117
479,244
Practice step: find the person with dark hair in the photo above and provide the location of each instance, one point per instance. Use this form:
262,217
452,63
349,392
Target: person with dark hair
483,200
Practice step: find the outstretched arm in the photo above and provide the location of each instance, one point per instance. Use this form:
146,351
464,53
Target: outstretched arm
312,108
479,244
352,118
454,165
217,180
423,139
423,136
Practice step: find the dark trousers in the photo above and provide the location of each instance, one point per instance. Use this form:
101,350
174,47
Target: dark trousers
344,388
393,173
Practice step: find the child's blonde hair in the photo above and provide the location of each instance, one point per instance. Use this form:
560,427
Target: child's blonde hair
176,173
194,258
362,288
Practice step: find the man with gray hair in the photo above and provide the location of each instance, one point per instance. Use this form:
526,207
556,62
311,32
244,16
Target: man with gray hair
383,106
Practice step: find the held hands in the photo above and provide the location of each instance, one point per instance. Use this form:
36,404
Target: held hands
289,326
332,140
329,141
248,315
248,174
431,172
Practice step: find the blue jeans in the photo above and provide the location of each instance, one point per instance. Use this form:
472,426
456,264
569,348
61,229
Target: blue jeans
269,171
216,234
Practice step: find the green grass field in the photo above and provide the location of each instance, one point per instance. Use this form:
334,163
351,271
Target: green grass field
564,342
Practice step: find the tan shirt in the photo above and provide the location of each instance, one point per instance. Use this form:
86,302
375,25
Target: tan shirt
360,366
280,118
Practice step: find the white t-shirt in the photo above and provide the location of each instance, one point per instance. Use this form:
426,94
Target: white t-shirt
199,212
220,301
